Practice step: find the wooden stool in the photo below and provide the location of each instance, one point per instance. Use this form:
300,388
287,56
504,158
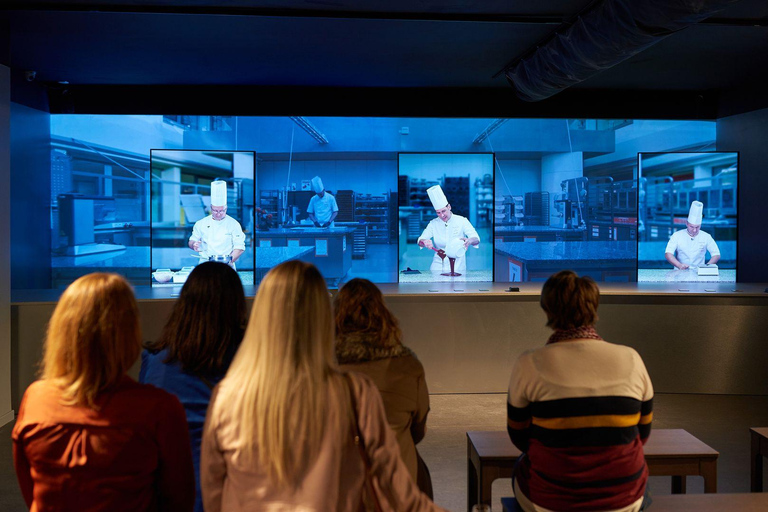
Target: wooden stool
759,450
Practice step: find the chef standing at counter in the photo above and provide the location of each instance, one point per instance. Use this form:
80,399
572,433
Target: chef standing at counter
218,234
445,228
691,244
322,207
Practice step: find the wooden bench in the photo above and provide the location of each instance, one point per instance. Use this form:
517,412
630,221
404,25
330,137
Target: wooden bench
672,452
759,450
697,503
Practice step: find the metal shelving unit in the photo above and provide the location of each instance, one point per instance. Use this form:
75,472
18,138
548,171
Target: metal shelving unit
374,211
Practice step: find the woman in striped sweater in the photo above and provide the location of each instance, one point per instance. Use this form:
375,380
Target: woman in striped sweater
580,409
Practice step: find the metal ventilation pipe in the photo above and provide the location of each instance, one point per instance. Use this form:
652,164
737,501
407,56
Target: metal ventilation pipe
609,33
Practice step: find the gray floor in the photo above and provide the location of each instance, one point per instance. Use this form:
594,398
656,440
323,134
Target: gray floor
720,421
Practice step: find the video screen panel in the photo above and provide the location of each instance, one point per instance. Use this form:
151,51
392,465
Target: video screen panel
332,204
688,217
446,217
565,211
202,209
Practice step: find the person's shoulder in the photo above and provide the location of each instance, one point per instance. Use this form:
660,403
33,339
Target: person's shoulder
706,235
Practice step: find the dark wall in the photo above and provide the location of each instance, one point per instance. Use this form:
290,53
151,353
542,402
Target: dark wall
748,134
30,198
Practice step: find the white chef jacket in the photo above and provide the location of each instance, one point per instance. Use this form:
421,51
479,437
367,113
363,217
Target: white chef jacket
692,251
218,237
322,207
441,232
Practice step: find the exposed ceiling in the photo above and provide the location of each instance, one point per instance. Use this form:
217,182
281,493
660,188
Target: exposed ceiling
388,44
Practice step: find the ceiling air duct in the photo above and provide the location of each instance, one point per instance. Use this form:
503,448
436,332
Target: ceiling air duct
607,34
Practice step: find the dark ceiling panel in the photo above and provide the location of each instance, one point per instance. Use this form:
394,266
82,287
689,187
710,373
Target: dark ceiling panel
703,57
506,7
201,49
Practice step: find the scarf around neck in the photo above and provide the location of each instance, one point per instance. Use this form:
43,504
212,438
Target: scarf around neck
584,332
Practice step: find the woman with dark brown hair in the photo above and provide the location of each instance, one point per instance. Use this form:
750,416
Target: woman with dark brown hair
197,346
369,341
88,437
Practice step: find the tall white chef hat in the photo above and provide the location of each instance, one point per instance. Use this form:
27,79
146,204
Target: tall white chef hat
695,213
455,248
219,193
317,184
439,201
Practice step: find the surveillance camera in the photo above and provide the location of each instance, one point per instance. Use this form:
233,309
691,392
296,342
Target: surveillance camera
30,75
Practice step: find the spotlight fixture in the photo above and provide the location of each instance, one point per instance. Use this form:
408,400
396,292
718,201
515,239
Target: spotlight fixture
308,127
495,124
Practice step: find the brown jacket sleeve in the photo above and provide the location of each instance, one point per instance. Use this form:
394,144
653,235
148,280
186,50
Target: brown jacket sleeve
419,424
394,486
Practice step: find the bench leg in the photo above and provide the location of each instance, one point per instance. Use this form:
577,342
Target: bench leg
756,466
678,484
472,485
486,484
709,472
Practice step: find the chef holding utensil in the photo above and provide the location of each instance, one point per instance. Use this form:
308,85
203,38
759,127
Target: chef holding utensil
218,237
446,231
322,207
691,244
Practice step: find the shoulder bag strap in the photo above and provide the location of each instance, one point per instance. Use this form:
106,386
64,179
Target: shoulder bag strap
371,502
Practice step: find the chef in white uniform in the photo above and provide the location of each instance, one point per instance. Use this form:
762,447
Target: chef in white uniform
322,207
445,228
218,234
688,247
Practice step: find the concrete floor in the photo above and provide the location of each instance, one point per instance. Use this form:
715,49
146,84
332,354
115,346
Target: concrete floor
721,421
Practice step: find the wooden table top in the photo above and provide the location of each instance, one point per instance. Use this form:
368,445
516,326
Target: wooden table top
762,431
663,443
753,502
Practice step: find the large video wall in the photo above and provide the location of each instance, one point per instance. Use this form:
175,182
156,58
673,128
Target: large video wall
362,197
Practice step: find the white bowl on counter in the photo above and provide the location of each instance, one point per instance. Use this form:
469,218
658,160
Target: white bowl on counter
162,275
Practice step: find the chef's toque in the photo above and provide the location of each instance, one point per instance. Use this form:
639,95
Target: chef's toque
437,197
695,213
218,193
455,248
317,184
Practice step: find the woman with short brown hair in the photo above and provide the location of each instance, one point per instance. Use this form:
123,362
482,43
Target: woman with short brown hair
580,409
88,437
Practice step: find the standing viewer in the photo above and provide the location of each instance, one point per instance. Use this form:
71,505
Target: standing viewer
88,437
446,228
369,341
580,408
197,345
218,234
279,430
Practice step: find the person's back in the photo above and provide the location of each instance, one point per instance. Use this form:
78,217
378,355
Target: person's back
88,437
334,480
368,341
580,408
281,430
109,458
196,346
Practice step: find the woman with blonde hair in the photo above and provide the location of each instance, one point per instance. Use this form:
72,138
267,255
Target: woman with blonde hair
369,341
88,437
286,430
